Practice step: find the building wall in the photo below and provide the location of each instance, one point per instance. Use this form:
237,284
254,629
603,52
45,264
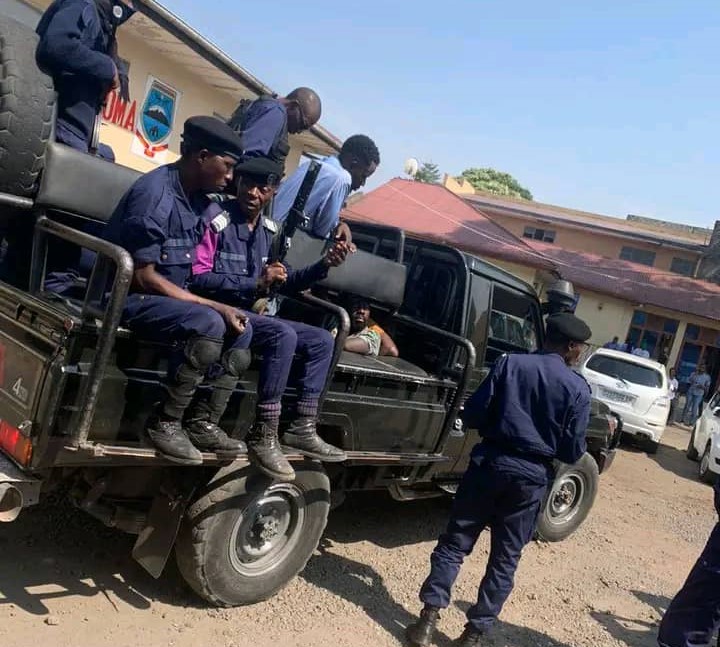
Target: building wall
590,241
606,316
523,272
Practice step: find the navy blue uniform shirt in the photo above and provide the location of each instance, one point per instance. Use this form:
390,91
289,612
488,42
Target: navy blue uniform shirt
230,261
265,130
532,409
157,223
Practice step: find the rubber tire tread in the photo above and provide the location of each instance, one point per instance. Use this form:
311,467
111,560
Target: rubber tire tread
27,104
550,533
193,542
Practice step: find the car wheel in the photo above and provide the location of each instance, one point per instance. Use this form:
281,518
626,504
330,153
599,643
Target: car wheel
569,501
691,452
651,446
246,537
705,474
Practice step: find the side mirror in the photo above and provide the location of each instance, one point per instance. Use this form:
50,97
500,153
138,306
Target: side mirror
560,297
716,412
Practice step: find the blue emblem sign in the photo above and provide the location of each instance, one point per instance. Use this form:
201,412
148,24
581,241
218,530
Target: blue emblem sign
158,113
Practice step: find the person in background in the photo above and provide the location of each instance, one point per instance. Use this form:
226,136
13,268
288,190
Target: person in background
697,390
531,410
614,344
694,613
366,337
264,123
78,48
641,351
673,387
357,161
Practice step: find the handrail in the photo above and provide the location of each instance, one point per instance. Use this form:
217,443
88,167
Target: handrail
110,316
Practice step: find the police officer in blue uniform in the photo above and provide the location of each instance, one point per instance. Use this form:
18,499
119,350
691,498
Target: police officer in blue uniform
531,410
694,614
159,222
78,49
264,123
232,266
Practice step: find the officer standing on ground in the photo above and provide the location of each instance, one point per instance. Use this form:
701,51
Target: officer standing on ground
264,124
531,410
78,49
158,221
231,266
694,614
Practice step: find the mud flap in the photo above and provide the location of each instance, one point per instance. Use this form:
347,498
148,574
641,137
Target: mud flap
156,540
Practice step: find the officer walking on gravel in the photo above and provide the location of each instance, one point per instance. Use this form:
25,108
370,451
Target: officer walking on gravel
78,49
694,614
531,410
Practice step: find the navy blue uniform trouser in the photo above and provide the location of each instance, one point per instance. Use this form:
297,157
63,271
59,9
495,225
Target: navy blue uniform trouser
166,319
694,613
507,504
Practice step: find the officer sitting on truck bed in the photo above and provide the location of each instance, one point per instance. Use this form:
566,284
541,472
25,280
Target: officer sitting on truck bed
158,221
531,410
232,266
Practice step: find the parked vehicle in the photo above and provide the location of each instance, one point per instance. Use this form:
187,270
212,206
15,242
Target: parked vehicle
704,445
76,388
635,388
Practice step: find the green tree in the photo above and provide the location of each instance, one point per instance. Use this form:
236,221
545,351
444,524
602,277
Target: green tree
497,182
428,173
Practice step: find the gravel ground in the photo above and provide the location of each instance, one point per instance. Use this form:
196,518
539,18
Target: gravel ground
65,580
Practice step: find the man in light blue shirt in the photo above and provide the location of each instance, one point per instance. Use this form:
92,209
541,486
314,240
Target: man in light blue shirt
338,176
699,384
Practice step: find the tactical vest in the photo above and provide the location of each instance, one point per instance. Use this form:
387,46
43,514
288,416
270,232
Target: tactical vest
238,122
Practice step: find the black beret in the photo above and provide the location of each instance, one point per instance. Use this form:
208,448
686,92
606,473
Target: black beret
262,169
567,326
214,135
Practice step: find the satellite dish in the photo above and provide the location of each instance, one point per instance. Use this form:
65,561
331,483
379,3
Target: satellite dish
412,166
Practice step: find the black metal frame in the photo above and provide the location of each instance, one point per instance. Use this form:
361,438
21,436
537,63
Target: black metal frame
109,257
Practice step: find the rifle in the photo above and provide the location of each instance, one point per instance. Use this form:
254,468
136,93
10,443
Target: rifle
296,216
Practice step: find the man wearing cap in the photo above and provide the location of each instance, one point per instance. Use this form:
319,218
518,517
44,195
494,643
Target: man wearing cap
530,411
232,266
78,48
264,123
159,222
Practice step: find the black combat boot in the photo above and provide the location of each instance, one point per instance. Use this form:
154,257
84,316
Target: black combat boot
420,633
264,451
470,638
169,438
302,436
208,437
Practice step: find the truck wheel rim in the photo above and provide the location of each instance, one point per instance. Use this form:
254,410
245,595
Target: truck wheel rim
565,498
267,530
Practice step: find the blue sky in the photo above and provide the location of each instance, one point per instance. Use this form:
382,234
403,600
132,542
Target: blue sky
604,106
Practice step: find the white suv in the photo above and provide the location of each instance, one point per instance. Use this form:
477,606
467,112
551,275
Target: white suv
635,388
704,442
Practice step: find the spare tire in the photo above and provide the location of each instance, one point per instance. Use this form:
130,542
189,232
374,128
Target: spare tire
27,102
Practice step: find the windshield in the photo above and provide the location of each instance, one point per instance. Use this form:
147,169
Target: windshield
626,371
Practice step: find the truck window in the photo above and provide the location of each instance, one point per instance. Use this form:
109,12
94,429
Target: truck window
477,318
514,321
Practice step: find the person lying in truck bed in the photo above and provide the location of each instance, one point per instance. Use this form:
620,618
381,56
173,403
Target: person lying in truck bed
367,337
231,265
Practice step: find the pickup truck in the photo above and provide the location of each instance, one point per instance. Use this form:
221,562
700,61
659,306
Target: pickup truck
76,388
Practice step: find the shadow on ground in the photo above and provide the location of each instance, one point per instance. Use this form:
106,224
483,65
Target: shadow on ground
635,632
55,551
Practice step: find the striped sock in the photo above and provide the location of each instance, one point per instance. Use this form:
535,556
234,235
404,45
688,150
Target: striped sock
307,408
268,411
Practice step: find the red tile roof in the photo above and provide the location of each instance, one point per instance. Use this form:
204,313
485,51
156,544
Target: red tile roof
634,282
432,212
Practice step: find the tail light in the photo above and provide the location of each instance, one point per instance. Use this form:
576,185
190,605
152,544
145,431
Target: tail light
15,443
662,401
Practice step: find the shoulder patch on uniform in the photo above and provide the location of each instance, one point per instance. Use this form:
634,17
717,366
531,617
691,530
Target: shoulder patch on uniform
220,222
270,225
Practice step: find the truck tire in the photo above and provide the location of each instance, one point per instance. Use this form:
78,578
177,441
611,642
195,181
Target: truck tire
245,537
691,452
27,102
569,500
705,474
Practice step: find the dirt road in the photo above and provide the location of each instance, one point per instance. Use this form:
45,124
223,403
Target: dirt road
65,580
